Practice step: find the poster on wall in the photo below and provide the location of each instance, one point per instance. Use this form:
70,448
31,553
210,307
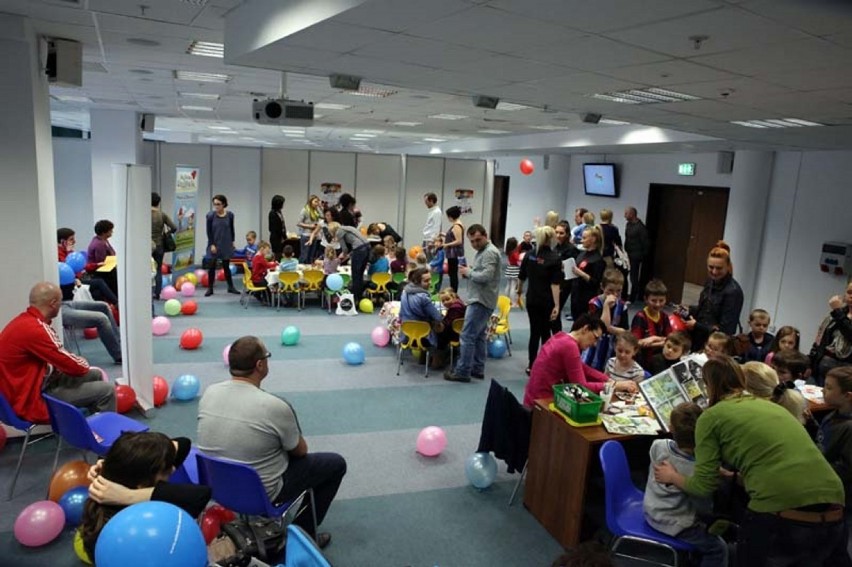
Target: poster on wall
330,193
186,194
464,200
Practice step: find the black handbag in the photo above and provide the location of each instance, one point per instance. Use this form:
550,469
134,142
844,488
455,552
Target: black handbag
169,243
261,538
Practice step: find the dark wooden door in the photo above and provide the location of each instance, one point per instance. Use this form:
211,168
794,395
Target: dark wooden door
708,227
499,206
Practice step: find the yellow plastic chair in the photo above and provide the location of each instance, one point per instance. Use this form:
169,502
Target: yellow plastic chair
249,288
399,279
504,305
381,280
457,329
290,283
415,332
312,284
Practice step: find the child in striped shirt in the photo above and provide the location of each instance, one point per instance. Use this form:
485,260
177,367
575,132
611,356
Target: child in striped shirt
513,269
622,366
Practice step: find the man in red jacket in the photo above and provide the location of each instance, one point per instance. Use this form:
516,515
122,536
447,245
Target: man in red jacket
32,360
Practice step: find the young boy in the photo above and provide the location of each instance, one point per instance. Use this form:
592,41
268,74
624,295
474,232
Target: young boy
677,344
667,508
755,344
792,365
260,266
288,262
613,313
651,326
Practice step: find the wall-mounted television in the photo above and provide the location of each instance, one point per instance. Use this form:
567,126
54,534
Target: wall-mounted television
599,179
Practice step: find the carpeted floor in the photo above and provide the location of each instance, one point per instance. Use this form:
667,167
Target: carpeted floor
395,507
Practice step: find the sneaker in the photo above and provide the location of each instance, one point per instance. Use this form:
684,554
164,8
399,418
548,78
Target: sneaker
453,377
209,292
233,290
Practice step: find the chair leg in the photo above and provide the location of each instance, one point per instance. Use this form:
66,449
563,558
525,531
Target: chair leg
518,484
509,344
399,359
426,373
18,466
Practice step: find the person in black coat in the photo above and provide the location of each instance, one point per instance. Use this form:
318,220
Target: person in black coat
721,301
277,226
589,271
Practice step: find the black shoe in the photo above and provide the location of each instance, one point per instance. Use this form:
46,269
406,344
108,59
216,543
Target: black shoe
453,377
233,290
478,376
209,292
323,539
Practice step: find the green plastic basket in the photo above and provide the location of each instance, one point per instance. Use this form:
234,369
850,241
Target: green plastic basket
581,412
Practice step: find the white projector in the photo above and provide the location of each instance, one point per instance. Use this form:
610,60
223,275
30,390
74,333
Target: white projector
283,112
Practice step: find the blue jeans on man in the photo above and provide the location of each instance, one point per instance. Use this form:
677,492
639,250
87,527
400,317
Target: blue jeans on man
712,549
473,348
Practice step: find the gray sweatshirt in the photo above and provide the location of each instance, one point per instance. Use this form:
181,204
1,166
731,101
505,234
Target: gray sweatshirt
667,508
484,277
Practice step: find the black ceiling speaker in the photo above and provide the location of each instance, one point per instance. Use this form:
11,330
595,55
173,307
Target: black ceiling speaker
489,102
592,118
345,82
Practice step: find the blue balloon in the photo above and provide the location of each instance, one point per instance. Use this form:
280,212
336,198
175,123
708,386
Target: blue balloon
186,387
334,282
66,274
72,503
353,354
151,534
497,348
481,470
167,279
233,269
77,261
290,336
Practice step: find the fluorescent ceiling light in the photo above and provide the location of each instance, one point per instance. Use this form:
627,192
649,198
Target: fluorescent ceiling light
371,92
363,135
494,132
220,127
612,122
549,127
803,122
373,131
776,123
448,116
207,49
72,98
434,150
198,108
205,96
202,77
294,135
434,140
332,106
293,129
511,106
651,95
407,123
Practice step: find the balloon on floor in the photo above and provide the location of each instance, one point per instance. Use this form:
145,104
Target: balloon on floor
186,387
380,336
179,282
66,477
188,288
161,391
79,549
125,398
191,278
189,307
160,325
431,441
290,336
90,333
191,338
72,505
481,470
168,292
39,523
497,348
353,354
172,307
225,353
365,306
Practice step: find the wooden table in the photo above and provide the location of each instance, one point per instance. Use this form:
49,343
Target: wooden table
560,459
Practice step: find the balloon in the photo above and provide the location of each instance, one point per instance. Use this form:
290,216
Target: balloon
481,470
334,282
160,325
380,336
66,274
90,333
431,441
166,269
527,166
70,475
187,289
79,549
211,525
497,348
191,278
414,251
185,387
290,336
189,307
191,339
223,514
233,269
205,280
365,305
125,398
72,505
220,275
2,437
39,523
199,275
151,533
168,292
172,307
676,322
76,261
166,280
353,354
225,353
179,282
161,391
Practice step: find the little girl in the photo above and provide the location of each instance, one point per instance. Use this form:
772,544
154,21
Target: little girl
622,366
835,431
787,338
330,263
719,344
513,268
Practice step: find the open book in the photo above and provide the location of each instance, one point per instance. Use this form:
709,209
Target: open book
683,382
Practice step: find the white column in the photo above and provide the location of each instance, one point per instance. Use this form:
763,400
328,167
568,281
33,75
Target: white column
28,212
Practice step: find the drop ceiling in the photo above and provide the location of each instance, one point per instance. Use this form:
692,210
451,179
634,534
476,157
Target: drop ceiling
744,60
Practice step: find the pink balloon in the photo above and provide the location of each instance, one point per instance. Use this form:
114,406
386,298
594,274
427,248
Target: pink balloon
39,523
431,441
160,325
380,336
199,273
187,289
168,292
225,352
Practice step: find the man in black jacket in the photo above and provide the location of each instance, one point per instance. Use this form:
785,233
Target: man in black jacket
637,244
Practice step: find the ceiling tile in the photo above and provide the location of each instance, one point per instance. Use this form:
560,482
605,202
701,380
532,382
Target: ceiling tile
590,53
399,15
671,72
830,17
779,57
336,37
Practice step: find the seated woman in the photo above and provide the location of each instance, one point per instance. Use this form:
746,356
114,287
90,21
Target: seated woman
136,469
416,303
98,251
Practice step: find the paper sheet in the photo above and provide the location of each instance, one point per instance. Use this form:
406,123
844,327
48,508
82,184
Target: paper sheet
568,267
110,262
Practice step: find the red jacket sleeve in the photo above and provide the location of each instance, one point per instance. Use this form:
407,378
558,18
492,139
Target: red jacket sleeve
47,346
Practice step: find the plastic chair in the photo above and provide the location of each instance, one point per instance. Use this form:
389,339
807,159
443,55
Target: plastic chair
291,282
238,487
249,288
457,326
347,280
8,416
301,551
69,335
399,279
436,282
504,305
415,332
312,284
381,280
95,433
625,517
187,472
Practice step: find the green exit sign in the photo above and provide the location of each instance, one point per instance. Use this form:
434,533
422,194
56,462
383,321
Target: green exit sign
686,169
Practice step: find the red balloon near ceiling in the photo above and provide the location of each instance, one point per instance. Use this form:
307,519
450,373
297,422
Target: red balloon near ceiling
527,166
125,398
191,339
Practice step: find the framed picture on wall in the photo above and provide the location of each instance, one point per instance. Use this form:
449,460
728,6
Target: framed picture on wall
330,194
464,200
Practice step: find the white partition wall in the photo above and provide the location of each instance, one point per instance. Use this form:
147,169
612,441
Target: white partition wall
377,183
459,176
332,167
284,172
422,175
236,174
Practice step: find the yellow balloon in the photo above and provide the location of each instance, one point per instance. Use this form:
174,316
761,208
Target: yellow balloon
366,306
192,278
79,549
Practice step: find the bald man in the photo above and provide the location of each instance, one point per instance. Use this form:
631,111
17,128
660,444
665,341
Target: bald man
33,360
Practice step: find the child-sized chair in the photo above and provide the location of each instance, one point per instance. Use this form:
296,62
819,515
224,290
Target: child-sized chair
399,279
381,281
413,333
290,283
312,284
504,305
249,288
457,329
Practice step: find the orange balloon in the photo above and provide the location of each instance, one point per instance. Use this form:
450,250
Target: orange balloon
179,282
414,251
68,476
364,230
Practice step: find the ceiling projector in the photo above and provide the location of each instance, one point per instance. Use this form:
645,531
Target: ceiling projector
283,112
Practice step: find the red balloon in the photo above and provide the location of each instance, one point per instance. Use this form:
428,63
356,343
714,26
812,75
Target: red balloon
527,166
220,275
676,322
166,269
210,526
90,333
179,282
189,307
2,438
125,398
191,339
223,514
205,280
161,391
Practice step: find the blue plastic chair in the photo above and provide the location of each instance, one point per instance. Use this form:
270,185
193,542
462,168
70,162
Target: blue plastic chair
8,416
301,550
187,472
95,433
625,517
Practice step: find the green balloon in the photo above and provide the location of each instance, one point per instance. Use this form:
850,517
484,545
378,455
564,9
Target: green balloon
290,336
172,307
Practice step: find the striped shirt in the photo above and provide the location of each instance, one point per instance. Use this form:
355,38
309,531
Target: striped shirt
635,372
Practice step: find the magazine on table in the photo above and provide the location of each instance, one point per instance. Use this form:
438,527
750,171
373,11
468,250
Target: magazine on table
682,382
630,424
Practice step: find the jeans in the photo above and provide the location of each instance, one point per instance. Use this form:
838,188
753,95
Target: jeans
637,290
472,350
101,292
86,391
305,252
712,549
321,471
158,255
97,314
768,540
358,262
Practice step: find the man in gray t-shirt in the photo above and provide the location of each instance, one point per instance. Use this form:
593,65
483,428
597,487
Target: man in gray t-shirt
239,421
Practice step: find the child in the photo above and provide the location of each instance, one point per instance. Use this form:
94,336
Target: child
763,382
719,344
786,339
420,261
455,309
436,264
378,261
389,244
398,265
527,244
677,344
288,262
260,266
330,262
755,344
651,326
622,366
613,313
513,268
669,509
835,432
792,365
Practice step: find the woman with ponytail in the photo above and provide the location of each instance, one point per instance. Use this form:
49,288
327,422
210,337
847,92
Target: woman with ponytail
721,300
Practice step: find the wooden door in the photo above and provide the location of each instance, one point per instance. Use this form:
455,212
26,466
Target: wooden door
710,206
499,205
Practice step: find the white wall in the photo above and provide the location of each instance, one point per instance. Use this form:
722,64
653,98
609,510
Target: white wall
72,162
285,173
422,175
236,174
377,188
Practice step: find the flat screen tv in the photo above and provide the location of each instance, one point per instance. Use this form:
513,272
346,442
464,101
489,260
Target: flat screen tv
599,179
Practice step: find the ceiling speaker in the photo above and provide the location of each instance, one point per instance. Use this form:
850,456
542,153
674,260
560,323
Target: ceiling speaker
489,102
592,118
345,82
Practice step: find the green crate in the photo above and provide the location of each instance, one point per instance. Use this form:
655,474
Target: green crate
581,412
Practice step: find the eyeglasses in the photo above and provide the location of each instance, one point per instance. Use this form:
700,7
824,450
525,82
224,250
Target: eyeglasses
217,203
597,335
267,355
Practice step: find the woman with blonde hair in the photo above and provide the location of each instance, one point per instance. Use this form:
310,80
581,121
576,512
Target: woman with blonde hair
589,270
543,269
309,220
762,381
